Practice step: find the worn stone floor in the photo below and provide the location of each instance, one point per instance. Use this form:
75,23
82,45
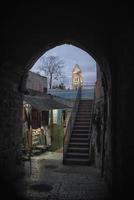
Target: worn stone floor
51,180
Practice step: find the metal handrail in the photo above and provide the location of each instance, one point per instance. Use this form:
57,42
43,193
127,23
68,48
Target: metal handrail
67,135
92,111
92,118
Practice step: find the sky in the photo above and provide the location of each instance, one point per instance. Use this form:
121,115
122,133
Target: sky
72,55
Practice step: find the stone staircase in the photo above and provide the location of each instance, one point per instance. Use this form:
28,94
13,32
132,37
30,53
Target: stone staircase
78,149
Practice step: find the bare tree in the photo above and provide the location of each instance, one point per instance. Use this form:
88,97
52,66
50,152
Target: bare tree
51,67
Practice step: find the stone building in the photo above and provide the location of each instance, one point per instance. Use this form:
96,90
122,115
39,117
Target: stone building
36,84
40,124
35,116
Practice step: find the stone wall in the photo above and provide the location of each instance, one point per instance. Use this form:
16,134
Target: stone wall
97,143
101,144
11,165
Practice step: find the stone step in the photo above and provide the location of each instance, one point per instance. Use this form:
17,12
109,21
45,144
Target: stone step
84,108
83,115
76,127
84,112
78,149
79,135
84,126
77,155
76,161
86,101
80,131
81,127
89,108
78,140
82,119
79,144
85,104
82,123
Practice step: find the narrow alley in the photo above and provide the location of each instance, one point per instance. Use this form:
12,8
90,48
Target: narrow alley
50,179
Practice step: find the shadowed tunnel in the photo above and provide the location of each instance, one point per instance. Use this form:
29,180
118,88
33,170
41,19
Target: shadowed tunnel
28,30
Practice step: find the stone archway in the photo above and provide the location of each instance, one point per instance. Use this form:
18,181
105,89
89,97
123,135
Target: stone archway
106,155
110,42
20,76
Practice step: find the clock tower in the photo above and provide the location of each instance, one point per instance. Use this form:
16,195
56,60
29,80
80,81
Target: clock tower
77,79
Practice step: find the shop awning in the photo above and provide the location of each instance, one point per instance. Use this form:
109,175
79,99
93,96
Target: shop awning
47,102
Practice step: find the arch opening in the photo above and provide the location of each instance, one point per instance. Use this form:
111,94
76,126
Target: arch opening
102,116
97,153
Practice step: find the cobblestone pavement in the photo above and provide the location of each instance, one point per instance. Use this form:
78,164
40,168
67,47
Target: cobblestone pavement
51,180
